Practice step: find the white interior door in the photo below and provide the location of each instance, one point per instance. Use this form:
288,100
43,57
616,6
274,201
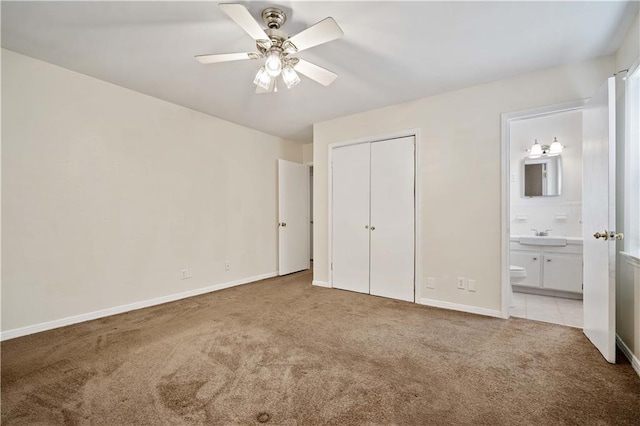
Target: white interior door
599,216
311,213
392,219
293,217
350,217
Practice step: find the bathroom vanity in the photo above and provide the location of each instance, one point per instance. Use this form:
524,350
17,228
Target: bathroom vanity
553,264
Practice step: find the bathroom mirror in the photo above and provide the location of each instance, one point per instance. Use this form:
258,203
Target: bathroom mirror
543,176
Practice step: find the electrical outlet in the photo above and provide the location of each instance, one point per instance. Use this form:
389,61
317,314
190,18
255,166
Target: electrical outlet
471,285
185,274
431,282
462,283
227,266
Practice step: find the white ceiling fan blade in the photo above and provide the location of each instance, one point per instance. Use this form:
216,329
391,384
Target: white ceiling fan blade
322,32
243,18
314,72
224,57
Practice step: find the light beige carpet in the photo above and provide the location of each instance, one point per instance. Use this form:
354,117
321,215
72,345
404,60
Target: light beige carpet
283,352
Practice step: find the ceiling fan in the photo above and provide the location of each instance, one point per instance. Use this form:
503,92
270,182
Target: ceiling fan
278,48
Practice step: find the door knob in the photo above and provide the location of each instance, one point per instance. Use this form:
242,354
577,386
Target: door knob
609,235
373,228
283,224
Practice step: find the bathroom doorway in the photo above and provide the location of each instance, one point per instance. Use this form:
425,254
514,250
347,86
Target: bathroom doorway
542,226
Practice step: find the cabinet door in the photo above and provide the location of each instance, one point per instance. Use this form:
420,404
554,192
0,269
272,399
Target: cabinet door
392,219
531,261
350,217
563,272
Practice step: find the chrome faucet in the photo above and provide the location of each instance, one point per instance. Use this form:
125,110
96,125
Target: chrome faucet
544,233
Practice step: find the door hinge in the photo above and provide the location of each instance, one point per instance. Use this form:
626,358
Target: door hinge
332,266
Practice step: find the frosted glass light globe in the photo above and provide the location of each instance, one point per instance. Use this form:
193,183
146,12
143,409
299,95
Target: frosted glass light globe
273,64
555,147
263,79
290,77
536,150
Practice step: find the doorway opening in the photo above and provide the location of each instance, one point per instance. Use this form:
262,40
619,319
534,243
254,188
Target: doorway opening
542,214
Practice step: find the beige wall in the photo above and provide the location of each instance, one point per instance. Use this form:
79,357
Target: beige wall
307,153
107,194
628,273
460,175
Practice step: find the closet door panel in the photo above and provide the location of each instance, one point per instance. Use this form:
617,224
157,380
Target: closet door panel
350,211
392,219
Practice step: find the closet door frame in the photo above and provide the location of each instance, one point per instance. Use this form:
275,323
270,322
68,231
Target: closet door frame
415,133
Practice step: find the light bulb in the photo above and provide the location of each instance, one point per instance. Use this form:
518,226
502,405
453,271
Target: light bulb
536,149
555,147
290,77
263,79
273,64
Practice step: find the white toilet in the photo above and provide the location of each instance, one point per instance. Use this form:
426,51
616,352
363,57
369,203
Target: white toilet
517,274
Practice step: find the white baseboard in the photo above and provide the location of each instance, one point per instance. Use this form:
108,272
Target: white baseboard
321,283
635,362
36,328
461,308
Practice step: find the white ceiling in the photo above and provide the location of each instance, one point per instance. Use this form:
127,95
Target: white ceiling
391,52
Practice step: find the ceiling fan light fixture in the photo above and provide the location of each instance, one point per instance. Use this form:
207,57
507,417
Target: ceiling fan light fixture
276,47
263,79
273,64
290,77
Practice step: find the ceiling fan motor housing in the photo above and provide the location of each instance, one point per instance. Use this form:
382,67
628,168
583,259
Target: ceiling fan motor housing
274,17
277,36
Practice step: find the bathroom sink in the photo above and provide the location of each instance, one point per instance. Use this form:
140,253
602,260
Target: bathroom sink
543,241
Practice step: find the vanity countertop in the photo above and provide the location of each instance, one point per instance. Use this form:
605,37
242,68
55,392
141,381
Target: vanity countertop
570,240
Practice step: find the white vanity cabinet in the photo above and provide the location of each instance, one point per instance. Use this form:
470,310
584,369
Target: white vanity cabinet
550,267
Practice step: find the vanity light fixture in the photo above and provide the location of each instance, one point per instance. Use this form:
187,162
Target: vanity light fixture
538,150
555,147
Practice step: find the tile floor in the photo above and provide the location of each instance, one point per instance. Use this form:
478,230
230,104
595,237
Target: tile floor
556,310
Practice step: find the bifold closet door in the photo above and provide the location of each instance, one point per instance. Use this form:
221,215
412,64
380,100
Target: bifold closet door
350,212
392,219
